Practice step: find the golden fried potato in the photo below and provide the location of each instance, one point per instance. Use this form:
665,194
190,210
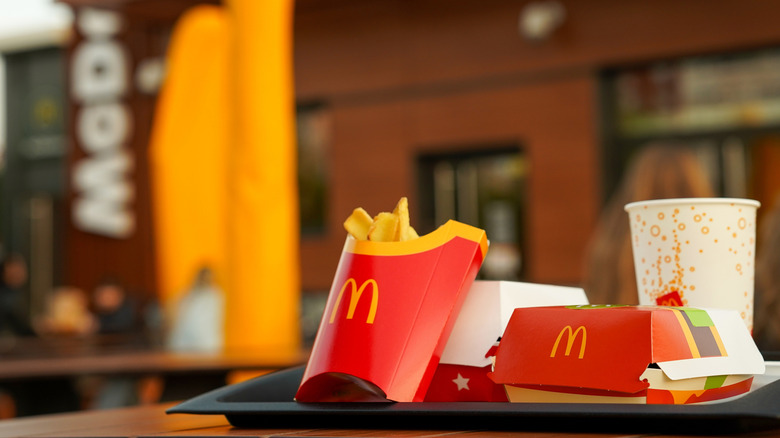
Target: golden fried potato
384,227
401,211
409,234
358,223
404,231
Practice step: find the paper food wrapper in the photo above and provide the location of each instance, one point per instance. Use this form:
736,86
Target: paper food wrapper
462,374
626,354
695,252
390,311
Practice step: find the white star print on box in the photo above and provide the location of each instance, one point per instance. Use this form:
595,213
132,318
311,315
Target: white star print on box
462,382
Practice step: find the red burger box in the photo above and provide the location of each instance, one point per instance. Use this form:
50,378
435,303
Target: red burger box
389,313
462,373
625,354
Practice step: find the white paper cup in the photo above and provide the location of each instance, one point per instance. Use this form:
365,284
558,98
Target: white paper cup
695,252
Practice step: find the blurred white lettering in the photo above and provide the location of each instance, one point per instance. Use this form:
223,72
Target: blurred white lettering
98,22
99,70
99,65
103,127
99,178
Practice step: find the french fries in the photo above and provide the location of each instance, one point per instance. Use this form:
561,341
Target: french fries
358,223
384,227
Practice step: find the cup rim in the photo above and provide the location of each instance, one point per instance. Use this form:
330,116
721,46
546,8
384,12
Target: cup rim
672,201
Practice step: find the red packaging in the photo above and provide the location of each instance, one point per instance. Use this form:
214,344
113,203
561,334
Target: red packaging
390,310
626,354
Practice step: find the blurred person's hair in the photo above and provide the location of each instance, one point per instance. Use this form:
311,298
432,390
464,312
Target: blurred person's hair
108,294
203,277
109,280
13,261
658,171
766,324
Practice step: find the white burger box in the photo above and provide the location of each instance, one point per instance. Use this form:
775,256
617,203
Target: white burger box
462,371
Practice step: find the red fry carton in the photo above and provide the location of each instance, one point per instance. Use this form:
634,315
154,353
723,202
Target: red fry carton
390,310
462,374
626,354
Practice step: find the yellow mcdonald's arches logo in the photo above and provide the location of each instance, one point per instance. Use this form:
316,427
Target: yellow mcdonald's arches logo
571,336
671,302
354,298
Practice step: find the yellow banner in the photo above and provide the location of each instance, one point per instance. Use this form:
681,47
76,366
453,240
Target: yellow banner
188,152
263,229
224,164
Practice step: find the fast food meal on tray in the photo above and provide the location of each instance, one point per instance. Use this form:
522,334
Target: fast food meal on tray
406,321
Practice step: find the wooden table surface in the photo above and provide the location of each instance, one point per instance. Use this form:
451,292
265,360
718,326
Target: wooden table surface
141,362
50,375
38,358
152,421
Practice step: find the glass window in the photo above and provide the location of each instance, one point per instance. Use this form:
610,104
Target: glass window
313,133
484,187
725,107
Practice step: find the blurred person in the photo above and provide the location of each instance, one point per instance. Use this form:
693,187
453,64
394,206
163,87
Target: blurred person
24,397
658,171
12,295
116,313
198,323
766,321
154,322
66,313
114,309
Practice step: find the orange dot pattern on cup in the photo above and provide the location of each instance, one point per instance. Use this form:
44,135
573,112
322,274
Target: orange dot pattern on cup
679,248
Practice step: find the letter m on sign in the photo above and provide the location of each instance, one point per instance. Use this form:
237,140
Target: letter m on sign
570,338
354,298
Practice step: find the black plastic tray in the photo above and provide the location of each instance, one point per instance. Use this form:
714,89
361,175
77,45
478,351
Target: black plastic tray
267,402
